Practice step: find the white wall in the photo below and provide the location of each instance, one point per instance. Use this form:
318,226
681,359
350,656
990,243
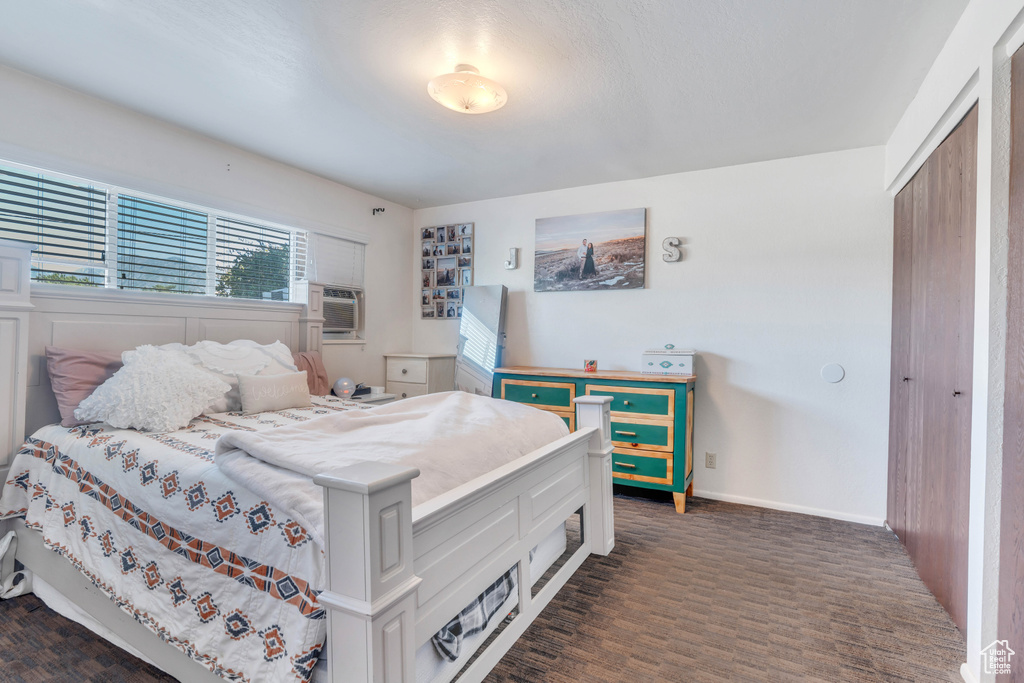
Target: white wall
788,267
973,66
45,125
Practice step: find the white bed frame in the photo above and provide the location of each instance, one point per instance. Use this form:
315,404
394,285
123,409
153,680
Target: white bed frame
395,574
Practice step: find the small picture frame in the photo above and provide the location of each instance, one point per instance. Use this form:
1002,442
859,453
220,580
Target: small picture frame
465,261
426,234
452,232
466,277
446,277
590,366
467,245
458,311
466,229
439,295
441,235
454,248
438,250
428,249
455,293
429,312
425,297
439,307
453,310
428,264
428,279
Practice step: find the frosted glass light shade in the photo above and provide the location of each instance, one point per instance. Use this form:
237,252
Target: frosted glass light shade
467,92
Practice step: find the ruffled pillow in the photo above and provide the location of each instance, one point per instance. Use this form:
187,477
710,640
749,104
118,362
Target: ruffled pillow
157,390
228,361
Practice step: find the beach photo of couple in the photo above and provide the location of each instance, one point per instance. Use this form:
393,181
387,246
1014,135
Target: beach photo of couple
590,251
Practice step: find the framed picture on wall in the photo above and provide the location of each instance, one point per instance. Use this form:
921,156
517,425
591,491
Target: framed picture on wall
446,267
590,251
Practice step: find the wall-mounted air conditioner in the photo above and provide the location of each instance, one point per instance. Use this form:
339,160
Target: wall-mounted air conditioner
341,310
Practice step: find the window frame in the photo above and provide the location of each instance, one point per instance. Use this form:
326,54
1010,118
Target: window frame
300,242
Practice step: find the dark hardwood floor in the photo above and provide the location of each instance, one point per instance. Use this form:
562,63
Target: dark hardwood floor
723,593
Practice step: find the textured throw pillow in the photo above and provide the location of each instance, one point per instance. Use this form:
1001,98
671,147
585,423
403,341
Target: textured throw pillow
260,393
228,361
158,390
74,375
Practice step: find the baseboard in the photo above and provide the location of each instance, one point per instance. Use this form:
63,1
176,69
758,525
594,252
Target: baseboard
965,673
773,505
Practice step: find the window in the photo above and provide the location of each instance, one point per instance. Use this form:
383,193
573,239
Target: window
160,247
66,221
93,234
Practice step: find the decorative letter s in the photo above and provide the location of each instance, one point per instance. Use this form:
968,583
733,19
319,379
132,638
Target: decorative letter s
672,251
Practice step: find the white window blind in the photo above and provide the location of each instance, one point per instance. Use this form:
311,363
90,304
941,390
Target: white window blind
160,247
66,221
336,261
88,233
253,261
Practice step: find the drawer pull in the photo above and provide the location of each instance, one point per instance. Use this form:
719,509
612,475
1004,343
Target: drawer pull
405,371
405,395
625,433
625,403
625,464
533,395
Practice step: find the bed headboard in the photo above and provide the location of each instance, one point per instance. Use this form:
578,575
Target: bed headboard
113,320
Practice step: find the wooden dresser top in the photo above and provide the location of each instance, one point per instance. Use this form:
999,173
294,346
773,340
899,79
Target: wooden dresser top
600,374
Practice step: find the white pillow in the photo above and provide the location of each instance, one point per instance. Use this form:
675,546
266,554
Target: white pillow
157,390
260,393
228,361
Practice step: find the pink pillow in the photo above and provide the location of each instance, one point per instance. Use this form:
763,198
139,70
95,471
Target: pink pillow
74,375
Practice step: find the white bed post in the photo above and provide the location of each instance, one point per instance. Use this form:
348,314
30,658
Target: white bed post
370,596
595,411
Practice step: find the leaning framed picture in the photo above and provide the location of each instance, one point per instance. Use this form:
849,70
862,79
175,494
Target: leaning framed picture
446,268
591,251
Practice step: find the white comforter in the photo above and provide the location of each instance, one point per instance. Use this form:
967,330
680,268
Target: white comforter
452,438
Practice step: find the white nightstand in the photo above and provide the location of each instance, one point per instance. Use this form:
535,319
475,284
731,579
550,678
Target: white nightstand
416,374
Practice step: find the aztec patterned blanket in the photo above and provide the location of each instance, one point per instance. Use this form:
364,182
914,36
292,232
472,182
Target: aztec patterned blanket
210,567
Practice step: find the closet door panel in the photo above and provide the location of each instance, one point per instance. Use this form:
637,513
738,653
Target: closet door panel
899,384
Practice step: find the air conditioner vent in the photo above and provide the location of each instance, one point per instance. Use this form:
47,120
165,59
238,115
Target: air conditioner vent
341,310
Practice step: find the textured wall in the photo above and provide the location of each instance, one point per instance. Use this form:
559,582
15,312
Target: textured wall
788,267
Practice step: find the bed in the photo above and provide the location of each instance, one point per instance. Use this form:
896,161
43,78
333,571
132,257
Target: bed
394,574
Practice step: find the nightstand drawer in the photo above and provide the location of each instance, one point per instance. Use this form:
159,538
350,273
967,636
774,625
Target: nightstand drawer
406,390
628,401
549,395
653,435
413,370
632,465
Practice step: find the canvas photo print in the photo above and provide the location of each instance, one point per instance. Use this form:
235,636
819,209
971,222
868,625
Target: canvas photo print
590,251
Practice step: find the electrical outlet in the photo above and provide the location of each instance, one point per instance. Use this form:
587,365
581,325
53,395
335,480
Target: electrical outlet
710,460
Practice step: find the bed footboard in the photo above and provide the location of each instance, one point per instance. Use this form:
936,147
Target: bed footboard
396,574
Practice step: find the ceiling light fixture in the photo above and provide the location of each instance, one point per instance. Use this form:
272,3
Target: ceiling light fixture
466,91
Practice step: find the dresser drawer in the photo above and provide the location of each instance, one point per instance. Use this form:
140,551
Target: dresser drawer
633,465
656,435
412,370
405,389
628,401
549,395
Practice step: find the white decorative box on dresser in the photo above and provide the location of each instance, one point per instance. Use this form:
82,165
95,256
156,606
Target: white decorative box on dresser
15,268
416,374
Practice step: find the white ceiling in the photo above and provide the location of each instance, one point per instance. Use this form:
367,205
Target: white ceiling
599,90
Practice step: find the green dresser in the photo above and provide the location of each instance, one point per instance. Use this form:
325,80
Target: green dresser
652,419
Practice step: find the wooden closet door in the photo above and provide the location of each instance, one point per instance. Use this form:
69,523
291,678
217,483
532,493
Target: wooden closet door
899,383
1011,527
933,311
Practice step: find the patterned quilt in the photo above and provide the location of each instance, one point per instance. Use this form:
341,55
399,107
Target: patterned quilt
205,564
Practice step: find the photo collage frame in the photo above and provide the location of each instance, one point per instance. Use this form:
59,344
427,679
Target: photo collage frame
446,269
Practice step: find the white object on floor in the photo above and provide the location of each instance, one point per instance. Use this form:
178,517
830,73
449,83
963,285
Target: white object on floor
8,589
